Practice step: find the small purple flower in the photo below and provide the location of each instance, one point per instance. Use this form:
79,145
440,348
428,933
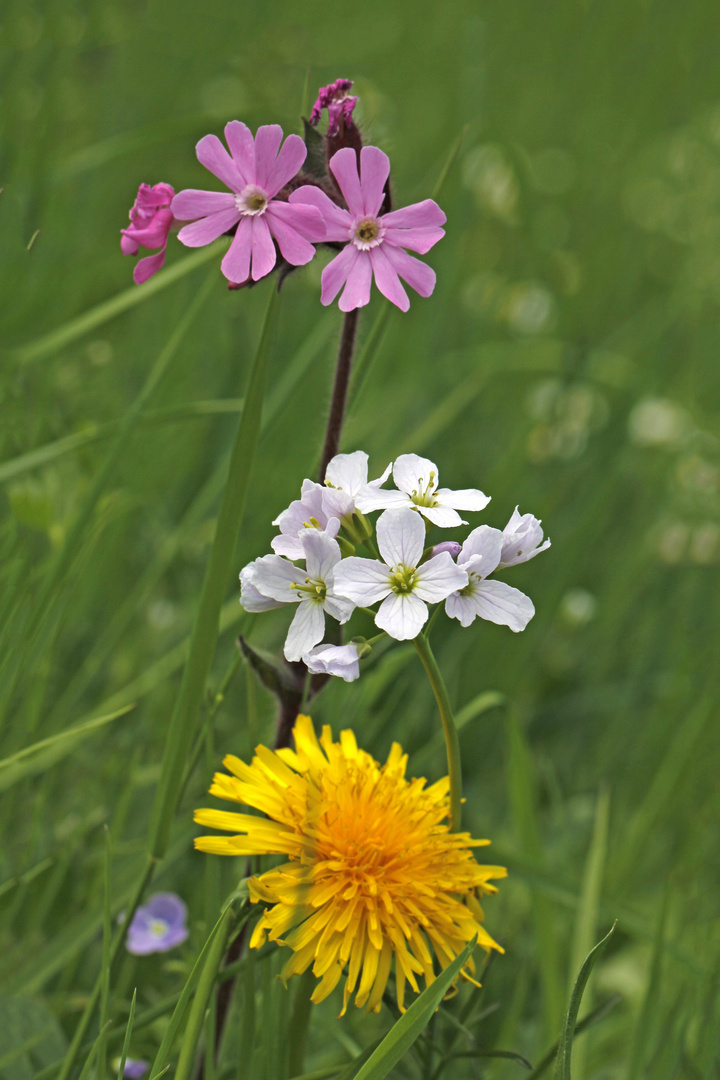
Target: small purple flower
255,170
151,220
158,925
337,101
374,242
135,1068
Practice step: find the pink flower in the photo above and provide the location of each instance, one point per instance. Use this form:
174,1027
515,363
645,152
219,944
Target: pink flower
337,101
255,172
375,243
152,220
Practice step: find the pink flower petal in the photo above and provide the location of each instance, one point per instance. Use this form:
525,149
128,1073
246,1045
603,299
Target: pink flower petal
418,275
386,278
207,229
263,249
191,203
128,245
242,147
236,264
337,221
418,215
156,231
212,154
288,164
374,171
343,166
357,288
304,219
420,240
293,247
267,144
336,273
145,268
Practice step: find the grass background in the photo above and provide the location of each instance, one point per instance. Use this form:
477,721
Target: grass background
567,362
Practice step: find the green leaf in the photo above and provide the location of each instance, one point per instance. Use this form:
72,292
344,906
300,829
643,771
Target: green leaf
48,752
562,1062
410,1025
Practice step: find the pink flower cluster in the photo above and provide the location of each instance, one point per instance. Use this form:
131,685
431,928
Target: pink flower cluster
266,216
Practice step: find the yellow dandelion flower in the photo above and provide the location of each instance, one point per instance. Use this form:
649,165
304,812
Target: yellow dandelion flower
373,871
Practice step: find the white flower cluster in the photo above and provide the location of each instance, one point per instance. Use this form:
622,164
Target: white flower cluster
408,575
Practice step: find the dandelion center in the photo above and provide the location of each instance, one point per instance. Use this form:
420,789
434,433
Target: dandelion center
373,873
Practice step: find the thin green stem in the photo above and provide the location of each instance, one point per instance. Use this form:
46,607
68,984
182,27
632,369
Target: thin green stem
452,743
299,1021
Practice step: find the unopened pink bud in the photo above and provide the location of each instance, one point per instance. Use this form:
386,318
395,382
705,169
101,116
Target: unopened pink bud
150,222
337,101
448,545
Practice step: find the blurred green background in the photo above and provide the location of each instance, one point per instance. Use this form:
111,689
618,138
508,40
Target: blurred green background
567,362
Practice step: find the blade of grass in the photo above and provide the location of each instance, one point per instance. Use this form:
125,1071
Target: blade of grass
128,1037
488,699
47,752
521,786
587,915
137,294
562,1062
105,969
207,623
449,163
593,1017
406,1030
642,1029
206,983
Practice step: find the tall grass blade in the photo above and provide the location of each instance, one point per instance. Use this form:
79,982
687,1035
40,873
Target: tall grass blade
643,1027
410,1025
137,294
207,622
128,1037
105,969
562,1062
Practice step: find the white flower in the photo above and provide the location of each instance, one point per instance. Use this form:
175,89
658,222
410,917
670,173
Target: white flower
416,479
401,584
307,512
340,660
521,539
250,596
491,600
312,589
346,480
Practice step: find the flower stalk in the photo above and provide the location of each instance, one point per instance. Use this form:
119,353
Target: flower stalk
340,391
452,743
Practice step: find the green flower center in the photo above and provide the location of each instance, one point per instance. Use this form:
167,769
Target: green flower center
367,231
158,928
423,496
403,579
256,201
311,589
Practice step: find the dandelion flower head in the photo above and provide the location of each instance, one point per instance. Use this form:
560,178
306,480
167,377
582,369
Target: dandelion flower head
373,872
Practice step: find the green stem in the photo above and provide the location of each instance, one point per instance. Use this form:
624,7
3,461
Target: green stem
205,986
452,743
205,632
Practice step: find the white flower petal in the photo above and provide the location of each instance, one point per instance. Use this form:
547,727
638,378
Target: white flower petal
250,596
381,479
413,473
462,498
306,630
501,604
438,577
275,576
402,616
321,553
442,516
337,504
522,539
485,542
289,546
339,660
340,608
348,471
372,498
462,608
401,537
364,581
